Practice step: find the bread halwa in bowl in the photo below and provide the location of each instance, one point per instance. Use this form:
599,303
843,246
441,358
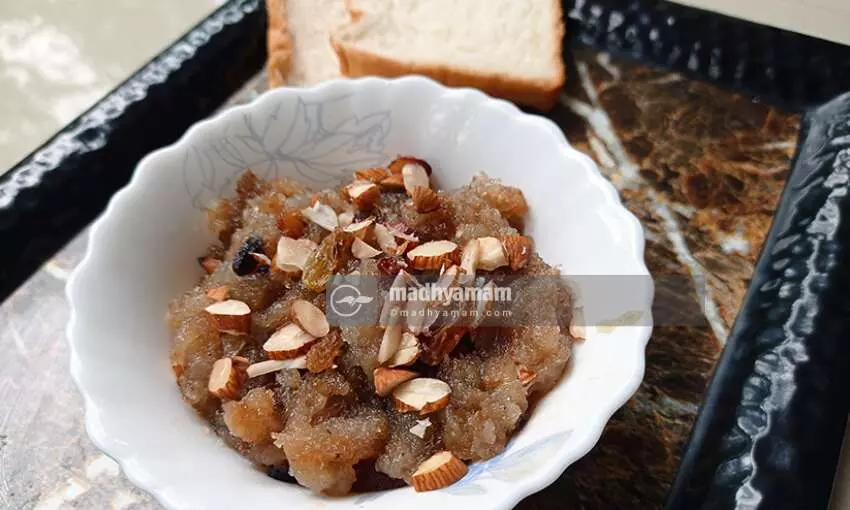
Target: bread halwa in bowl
264,387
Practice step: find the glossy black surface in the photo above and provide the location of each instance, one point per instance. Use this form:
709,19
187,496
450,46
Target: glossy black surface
770,429
779,66
61,187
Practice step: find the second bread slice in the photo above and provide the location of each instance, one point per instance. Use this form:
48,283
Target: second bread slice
507,48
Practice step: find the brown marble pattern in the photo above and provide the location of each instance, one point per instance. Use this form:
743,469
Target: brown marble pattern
701,168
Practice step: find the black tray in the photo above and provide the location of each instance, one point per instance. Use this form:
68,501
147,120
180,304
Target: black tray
770,429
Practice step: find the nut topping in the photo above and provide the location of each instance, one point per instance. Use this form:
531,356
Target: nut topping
231,316
322,215
394,182
424,395
309,317
439,471
364,195
346,218
387,379
414,176
389,343
292,254
362,250
375,175
386,240
398,164
425,199
288,342
518,249
359,229
433,254
272,365
421,428
227,377
491,255
408,351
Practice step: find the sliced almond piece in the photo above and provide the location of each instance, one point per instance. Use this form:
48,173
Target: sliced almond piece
376,174
433,254
362,250
518,250
414,176
360,228
440,470
310,317
423,394
345,219
364,195
231,316
400,161
425,200
394,182
386,241
389,343
273,365
288,342
386,379
469,257
408,351
491,254
527,377
263,262
227,377
292,254
446,281
401,231
416,316
442,344
209,264
218,293
322,215
291,224
421,428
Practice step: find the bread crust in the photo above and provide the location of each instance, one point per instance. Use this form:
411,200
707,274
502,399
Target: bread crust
279,44
540,94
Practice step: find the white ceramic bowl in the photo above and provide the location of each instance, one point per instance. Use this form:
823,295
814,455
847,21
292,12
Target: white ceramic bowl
142,253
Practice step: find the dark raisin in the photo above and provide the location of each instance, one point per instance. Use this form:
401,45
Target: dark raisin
281,473
244,262
390,266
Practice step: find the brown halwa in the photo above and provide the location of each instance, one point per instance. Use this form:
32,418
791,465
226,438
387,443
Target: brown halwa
363,407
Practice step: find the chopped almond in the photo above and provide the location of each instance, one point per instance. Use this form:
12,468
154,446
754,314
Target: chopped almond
440,470
433,254
362,250
273,365
359,229
231,316
364,195
442,344
518,250
386,240
394,182
414,176
389,343
469,257
408,351
578,331
227,377
425,199
421,428
263,262
322,215
209,264
346,218
424,395
309,317
491,254
386,379
292,254
218,293
401,231
291,224
288,342
399,163
375,175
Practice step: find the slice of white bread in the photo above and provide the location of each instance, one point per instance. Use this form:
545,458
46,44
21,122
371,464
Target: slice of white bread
299,49
507,48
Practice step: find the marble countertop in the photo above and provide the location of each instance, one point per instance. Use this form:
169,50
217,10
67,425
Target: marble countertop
701,167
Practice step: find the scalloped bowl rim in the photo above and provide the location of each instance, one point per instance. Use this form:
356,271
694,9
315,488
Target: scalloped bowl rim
128,459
